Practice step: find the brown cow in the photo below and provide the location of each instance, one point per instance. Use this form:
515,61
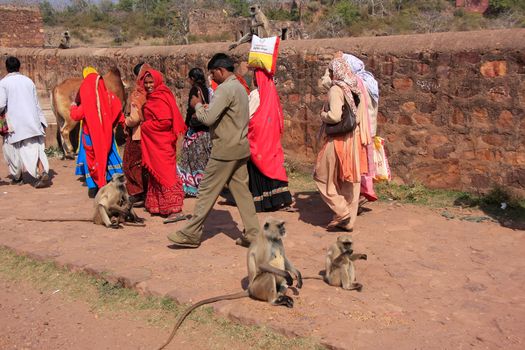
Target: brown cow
65,93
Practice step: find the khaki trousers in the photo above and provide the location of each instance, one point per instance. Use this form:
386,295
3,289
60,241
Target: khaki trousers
341,196
216,175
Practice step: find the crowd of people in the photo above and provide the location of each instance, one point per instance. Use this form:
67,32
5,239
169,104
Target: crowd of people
231,142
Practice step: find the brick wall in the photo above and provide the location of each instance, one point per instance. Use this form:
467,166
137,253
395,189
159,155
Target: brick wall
452,105
21,27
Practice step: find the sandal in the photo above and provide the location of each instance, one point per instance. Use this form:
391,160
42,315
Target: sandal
174,218
290,209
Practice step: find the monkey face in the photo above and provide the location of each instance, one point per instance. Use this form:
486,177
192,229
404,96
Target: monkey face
118,178
254,8
274,229
345,243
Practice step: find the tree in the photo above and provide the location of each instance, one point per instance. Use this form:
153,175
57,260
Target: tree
48,13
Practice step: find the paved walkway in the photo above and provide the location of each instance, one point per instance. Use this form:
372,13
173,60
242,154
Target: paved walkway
429,283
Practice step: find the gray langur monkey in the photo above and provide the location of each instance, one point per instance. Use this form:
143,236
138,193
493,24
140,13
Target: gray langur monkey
112,204
269,273
269,270
65,41
259,26
340,269
112,207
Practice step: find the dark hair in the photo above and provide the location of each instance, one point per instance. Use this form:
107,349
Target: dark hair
221,60
198,76
136,69
12,64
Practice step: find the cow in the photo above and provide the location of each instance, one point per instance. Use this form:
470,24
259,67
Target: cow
65,93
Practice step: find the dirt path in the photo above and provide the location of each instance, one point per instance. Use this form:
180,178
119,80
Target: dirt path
35,320
429,283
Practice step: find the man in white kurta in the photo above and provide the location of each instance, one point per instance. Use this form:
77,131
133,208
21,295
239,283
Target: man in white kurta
23,146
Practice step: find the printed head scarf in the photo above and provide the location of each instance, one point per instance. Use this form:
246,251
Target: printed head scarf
358,67
346,80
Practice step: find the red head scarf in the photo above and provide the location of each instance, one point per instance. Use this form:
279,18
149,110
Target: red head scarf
162,124
100,112
265,130
161,103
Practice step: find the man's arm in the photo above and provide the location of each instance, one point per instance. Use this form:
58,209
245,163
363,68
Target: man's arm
221,101
3,99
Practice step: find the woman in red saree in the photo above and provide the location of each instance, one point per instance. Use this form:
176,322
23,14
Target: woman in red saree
99,110
268,179
162,125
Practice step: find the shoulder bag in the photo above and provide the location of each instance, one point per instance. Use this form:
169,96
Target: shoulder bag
347,124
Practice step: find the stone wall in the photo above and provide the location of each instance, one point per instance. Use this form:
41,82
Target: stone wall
452,105
21,27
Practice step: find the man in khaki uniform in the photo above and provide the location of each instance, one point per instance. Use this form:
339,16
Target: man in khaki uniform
228,117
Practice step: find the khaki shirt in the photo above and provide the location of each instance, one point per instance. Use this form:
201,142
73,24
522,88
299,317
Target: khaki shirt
227,116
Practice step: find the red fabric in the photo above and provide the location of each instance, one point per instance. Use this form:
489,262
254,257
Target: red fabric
99,127
265,130
162,124
164,200
132,167
241,80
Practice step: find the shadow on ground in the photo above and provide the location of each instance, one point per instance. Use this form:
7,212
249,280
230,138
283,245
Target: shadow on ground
312,209
510,213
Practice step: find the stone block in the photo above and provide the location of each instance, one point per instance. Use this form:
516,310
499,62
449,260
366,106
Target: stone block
386,68
505,120
405,120
493,69
495,139
443,72
408,107
381,118
402,84
439,174
422,118
499,94
436,140
480,118
458,118
462,58
422,68
444,151
294,98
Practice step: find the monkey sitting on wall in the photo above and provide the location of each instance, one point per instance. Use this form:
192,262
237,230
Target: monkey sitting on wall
269,273
259,26
65,41
112,207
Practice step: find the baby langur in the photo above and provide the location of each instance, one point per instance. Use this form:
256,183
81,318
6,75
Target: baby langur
112,207
269,273
340,269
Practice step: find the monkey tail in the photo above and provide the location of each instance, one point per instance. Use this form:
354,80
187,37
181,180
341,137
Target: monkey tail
134,224
55,220
186,312
321,278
